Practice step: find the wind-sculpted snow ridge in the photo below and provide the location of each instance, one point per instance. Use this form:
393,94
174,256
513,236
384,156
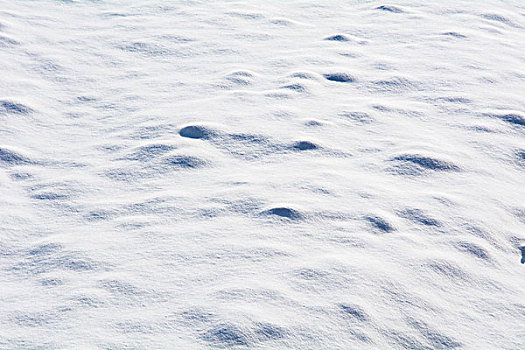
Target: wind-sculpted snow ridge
262,175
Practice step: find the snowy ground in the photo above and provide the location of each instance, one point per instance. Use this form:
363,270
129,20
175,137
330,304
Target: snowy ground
270,175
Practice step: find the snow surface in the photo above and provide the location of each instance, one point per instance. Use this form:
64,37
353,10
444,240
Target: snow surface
270,175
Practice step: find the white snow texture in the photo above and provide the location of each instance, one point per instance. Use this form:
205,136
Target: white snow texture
262,174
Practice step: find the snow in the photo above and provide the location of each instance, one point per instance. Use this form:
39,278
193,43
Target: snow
269,175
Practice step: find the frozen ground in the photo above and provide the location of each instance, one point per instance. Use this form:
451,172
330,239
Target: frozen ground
270,175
